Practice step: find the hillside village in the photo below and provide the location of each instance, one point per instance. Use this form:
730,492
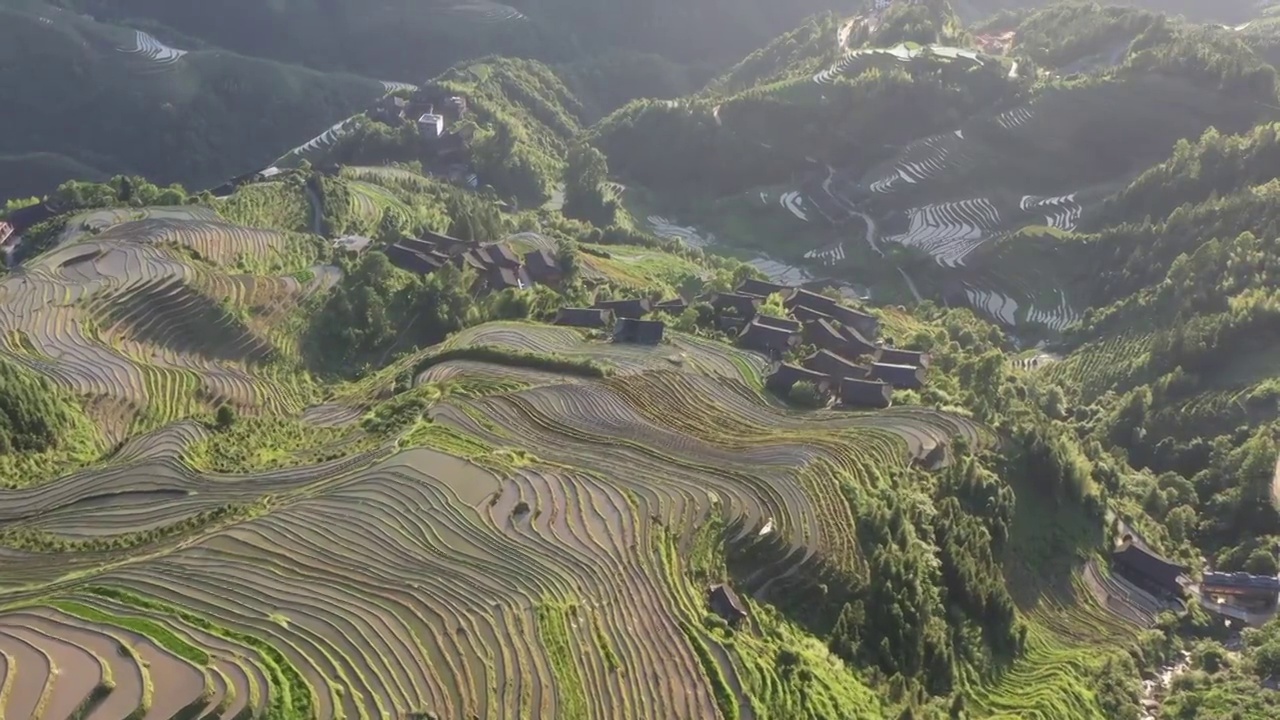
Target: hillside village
916,364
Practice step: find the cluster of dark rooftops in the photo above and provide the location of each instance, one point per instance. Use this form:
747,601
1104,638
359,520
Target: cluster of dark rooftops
845,364
497,265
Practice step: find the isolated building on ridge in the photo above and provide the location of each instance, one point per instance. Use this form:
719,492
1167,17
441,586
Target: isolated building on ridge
724,602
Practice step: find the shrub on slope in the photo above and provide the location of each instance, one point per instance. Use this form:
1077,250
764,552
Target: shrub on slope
522,115
32,417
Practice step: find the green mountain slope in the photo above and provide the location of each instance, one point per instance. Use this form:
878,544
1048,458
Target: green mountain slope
117,99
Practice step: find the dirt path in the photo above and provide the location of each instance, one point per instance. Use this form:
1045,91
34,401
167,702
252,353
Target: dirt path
317,214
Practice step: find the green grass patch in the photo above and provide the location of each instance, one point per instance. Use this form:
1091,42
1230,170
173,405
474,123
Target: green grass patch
517,358
164,637
553,630
725,700
268,443
290,696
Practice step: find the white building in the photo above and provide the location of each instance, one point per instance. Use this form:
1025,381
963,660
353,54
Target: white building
431,125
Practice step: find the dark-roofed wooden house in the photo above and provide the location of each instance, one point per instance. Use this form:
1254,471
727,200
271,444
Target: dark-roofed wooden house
825,335
787,324
475,260
724,602
1254,592
799,297
542,267
805,315
23,218
895,356
771,341
744,306
643,332
501,256
787,375
415,262
449,245
675,306
584,317
759,288
505,278
865,393
867,325
730,325
634,308
907,377
418,245
1143,567
829,363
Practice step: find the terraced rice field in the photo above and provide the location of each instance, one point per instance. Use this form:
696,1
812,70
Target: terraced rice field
1101,365
147,47
926,159
949,231
684,352
1062,212
137,312
485,11
687,235
526,580
392,86
317,145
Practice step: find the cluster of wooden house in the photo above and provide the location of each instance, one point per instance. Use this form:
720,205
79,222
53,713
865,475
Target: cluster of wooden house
496,264
1251,598
846,363
625,317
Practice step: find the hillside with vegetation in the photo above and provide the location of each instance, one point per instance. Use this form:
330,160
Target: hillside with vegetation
845,383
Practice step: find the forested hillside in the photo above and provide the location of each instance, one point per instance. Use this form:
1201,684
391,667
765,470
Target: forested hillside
705,359
88,96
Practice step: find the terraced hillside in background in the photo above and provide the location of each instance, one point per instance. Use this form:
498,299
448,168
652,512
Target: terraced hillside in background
153,314
925,170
